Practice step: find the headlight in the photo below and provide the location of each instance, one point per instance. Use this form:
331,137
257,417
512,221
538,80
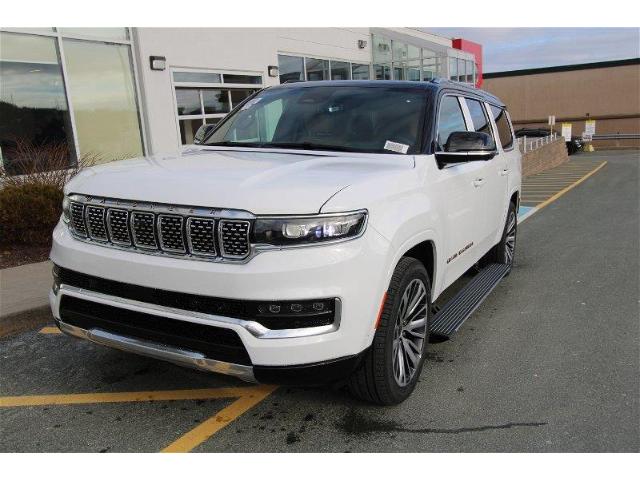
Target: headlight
66,210
292,231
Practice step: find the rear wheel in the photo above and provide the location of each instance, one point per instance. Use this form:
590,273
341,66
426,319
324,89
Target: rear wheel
391,367
505,250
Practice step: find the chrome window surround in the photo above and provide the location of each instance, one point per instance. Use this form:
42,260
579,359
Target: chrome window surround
216,214
254,328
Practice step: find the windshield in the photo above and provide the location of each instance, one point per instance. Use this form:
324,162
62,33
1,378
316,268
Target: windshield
339,118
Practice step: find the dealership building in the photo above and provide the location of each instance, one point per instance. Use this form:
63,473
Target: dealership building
605,95
114,93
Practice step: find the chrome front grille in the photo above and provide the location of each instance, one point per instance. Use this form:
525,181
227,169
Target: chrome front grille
144,230
96,225
118,226
160,229
201,236
234,238
77,219
171,234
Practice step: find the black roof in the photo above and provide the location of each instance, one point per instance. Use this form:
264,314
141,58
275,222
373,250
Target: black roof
563,68
434,86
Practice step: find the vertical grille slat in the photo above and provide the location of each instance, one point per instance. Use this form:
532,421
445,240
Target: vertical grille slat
77,219
118,226
96,226
179,231
143,227
171,237
234,238
201,236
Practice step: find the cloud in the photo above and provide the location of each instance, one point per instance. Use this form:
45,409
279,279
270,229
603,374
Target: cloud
517,48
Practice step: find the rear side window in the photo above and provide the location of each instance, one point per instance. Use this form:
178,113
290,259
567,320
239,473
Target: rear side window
450,119
504,127
478,116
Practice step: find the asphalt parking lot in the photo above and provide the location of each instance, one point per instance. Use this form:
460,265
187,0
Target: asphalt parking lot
549,362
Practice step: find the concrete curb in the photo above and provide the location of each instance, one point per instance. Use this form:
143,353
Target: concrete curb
24,297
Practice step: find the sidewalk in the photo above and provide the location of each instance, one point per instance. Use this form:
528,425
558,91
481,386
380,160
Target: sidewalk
24,292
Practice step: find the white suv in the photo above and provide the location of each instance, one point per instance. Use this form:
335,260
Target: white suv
305,240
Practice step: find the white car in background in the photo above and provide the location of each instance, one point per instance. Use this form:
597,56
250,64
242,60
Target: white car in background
307,239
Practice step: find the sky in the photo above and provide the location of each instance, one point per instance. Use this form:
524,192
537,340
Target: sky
517,48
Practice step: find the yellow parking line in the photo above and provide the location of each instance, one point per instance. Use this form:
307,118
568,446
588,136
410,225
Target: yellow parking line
574,184
115,397
209,427
50,331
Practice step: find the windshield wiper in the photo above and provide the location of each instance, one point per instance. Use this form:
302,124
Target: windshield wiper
309,146
234,144
291,145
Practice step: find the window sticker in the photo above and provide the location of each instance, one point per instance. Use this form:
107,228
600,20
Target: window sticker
396,147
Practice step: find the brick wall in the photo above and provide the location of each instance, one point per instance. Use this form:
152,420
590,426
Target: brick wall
544,158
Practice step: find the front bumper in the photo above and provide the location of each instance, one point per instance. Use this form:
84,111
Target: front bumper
352,272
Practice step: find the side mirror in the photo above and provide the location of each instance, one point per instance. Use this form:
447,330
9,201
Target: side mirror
467,147
202,132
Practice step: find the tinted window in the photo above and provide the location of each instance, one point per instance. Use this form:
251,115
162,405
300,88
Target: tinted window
358,119
504,126
450,119
478,116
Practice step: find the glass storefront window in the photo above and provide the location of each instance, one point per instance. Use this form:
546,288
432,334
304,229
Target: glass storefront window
250,79
381,49
400,52
413,71
340,70
237,96
197,77
359,71
453,69
216,101
382,72
114,33
291,68
399,71
102,91
33,104
317,69
188,100
429,68
462,68
188,129
470,70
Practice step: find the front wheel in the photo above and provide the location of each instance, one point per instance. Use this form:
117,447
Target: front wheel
505,250
392,365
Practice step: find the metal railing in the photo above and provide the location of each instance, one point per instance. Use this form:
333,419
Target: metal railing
530,144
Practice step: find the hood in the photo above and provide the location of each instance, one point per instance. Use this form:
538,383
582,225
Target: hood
259,181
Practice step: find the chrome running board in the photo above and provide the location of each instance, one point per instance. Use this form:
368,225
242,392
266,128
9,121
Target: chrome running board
450,317
158,351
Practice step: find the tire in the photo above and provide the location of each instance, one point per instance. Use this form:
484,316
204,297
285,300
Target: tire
378,378
504,251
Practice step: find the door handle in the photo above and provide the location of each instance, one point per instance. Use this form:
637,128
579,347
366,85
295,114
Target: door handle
504,171
478,182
